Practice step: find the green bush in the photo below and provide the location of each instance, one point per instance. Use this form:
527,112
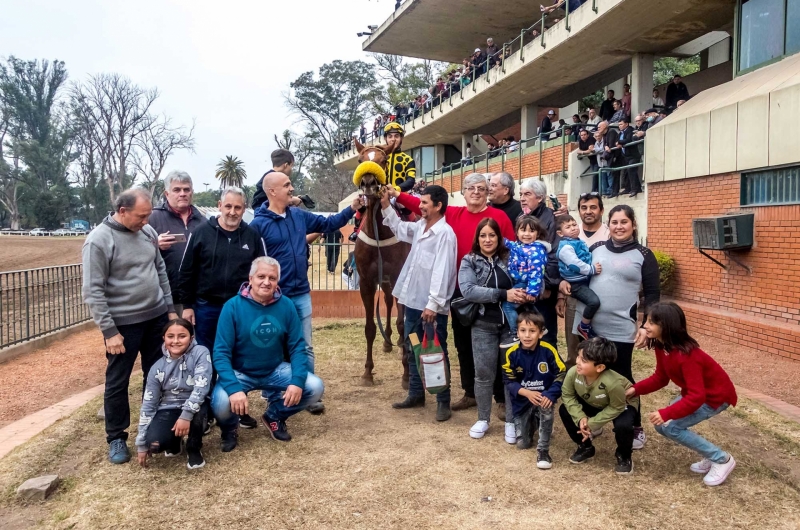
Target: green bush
666,268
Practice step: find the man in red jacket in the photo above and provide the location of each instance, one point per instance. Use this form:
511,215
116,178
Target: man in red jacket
464,222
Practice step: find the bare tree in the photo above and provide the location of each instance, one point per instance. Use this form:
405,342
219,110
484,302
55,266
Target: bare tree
155,145
117,113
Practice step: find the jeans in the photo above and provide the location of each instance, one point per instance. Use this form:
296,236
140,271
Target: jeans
415,324
206,316
510,309
273,384
160,430
544,418
303,305
678,431
606,181
623,428
145,338
487,362
581,291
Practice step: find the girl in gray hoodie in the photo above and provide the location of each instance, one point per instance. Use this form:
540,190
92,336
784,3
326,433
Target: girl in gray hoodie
174,398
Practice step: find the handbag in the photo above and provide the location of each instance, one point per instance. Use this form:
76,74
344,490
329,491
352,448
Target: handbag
431,362
465,311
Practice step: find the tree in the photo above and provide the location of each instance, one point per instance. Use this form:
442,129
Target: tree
230,172
290,141
154,146
116,112
403,80
665,68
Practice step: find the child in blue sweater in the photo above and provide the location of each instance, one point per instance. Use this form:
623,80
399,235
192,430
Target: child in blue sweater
526,261
533,373
575,266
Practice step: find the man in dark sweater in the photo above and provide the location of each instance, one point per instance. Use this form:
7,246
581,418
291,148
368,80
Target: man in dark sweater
676,91
501,195
175,218
282,162
607,107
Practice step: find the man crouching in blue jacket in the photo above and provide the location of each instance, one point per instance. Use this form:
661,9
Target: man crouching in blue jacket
256,329
284,232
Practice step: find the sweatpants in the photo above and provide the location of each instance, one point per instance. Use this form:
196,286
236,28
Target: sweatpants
623,428
145,338
623,366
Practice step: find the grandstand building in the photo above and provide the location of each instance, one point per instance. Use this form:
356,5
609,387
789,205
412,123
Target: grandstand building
721,173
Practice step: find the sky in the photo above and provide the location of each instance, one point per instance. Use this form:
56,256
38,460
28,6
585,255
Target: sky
225,64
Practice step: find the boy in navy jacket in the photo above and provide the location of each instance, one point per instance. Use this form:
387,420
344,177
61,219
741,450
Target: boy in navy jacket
533,373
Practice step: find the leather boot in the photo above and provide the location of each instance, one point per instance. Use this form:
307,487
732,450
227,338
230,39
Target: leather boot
464,403
443,411
410,403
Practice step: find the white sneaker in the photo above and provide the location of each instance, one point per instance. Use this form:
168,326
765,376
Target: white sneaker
511,433
719,472
703,466
639,438
479,429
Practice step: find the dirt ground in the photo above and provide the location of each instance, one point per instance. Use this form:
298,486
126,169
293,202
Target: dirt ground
23,252
365,465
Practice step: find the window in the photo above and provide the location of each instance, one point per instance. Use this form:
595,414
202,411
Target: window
424,160
768,30
771,187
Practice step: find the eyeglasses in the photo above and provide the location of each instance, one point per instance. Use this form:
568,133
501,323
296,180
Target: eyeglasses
478,189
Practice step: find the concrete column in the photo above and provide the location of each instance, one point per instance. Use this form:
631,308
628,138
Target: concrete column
641,83
529,119
438,156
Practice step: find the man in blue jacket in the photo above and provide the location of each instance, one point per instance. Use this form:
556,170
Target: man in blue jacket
256,329
284,231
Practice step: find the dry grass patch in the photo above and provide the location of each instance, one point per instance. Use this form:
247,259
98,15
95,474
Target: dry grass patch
364,465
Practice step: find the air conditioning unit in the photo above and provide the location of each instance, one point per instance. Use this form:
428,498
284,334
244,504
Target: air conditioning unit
724,232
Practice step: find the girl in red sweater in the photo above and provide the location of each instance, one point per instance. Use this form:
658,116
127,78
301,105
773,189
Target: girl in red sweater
706,390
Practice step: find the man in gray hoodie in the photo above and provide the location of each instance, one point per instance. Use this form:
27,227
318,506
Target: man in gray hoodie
126,287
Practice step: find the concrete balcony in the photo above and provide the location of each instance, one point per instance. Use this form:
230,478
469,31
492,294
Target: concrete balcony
552,70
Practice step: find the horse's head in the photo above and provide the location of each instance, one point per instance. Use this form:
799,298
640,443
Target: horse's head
370,174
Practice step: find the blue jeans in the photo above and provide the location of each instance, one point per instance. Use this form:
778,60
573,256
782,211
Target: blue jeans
606,181
206,316
274,384
303,305
510,309
415,324
678,431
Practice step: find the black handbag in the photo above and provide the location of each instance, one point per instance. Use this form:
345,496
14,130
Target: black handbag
465,311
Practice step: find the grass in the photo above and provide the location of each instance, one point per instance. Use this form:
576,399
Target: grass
364,465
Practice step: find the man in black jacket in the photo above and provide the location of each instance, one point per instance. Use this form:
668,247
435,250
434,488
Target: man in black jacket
547,125
676,91
631,177
501,195
216,264
613,154
175,218
607,107
282,162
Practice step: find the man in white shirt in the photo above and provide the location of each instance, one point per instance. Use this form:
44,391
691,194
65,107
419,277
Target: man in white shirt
426,283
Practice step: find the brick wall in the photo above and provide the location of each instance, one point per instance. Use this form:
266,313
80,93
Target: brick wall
761,309
552,162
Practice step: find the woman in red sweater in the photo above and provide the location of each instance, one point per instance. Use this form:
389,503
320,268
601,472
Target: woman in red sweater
706,390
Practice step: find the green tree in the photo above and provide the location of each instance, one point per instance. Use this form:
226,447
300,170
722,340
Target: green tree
230,172
291,142
207,199
404,80
665,68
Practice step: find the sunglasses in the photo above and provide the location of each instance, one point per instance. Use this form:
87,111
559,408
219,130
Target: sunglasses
589,194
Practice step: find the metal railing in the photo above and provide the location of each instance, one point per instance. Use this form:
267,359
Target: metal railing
479,71
35,302
330,264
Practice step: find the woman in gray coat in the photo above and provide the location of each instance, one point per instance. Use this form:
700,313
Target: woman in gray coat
484,279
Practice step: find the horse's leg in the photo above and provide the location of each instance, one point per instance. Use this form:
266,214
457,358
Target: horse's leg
389,299
405,354
368,299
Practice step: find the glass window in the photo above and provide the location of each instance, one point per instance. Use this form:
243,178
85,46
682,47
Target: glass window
762,32
773,186
428,166
792,27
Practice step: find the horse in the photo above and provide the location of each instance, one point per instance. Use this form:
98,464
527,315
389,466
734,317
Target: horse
391,255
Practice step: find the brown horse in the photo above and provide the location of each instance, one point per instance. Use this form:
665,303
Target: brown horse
389,253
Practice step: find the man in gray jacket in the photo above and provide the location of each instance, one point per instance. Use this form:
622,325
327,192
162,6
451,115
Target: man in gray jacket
126,287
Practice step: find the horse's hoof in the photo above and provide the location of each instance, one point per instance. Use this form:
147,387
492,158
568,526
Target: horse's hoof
367,381
387,347
405,383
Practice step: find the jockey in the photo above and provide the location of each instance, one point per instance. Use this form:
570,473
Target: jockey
400,168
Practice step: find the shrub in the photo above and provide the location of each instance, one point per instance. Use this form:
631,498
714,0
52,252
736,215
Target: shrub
666,268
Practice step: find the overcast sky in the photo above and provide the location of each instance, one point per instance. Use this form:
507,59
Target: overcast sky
223,63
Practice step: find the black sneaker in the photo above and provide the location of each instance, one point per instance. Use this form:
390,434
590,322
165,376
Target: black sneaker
508,339
624,466
277,428
230,439
196,460
582,454
543,460
246,421
209,425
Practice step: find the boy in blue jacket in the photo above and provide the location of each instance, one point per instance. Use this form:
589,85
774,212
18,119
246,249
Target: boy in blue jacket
575,266
533,373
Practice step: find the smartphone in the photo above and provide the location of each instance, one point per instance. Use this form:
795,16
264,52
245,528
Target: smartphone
179,238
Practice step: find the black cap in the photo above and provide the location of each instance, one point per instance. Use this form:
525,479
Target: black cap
648,111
